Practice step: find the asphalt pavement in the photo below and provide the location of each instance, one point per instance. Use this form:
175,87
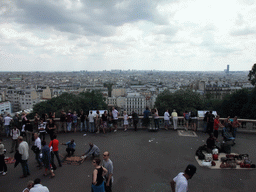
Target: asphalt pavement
143,162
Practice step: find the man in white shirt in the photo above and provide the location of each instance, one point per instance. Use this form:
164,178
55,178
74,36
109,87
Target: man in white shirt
38,187
7,121
91,122
166,119
37,149
15,133
107,163
180,182
23,150
115,118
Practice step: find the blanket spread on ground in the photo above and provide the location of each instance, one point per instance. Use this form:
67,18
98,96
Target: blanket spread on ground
218,162
73,160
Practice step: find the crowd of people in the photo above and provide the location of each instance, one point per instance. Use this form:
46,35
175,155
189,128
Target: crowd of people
229,126
24,134
102,176
96,122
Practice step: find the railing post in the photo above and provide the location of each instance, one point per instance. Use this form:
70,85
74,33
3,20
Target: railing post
249,125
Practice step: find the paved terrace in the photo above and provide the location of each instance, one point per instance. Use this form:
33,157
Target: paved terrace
139,165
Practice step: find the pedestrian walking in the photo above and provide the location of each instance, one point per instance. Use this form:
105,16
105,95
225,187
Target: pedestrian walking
3,167
46,159
7,121
180,182
55,150
98,176
15,133
108,164
23,151
37,149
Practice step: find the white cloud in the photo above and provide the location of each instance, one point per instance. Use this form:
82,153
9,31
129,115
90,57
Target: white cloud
95,34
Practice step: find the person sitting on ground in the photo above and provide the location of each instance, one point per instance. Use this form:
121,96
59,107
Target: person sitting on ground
210,142
29,186
38,186
94,151
70,147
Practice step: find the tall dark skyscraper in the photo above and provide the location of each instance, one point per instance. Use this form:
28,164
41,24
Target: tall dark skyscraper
227,69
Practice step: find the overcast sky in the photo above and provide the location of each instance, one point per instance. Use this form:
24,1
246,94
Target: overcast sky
171,35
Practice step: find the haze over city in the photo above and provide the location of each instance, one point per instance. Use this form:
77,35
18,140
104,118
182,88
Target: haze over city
167,35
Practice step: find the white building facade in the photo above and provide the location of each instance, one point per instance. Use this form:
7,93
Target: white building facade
5,107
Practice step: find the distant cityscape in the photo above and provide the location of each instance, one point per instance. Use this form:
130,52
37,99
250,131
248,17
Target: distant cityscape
130,90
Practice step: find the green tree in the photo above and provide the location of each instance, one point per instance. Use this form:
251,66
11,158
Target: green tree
68,101
252,75
212,104
181,100
236,104
249,109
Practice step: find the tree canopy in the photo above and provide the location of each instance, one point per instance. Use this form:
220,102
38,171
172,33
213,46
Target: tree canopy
67,101
252,75
241,103
181,100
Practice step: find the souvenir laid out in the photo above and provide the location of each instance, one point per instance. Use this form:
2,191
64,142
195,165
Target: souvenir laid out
9,160
74,160
215,160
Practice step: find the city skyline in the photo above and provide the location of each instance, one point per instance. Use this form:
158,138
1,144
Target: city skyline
168,35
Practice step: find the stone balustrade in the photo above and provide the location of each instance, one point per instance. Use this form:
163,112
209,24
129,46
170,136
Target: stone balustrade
247,125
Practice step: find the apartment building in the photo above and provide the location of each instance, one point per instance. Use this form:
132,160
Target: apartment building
5,108
22,99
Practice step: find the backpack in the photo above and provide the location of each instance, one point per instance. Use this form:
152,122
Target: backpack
187,116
